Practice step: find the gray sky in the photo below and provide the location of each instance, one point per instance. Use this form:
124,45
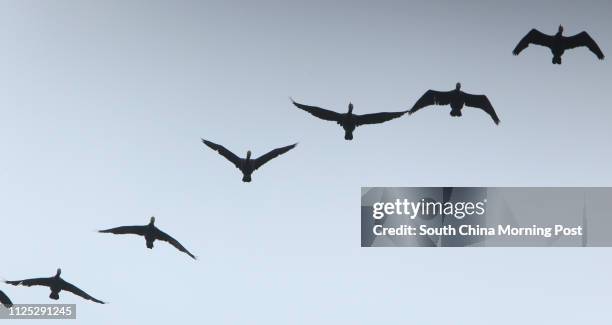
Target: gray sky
103,105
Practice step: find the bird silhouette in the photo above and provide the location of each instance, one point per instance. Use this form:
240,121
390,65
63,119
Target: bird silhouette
247,166
56,284
348,121
558,43
5,301
150,233
456,99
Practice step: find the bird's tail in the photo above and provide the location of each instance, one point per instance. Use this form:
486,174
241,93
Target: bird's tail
150,244
455,113
54,295
246,178
348,135
556,60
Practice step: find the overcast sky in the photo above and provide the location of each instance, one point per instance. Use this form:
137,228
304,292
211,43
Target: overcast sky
103,104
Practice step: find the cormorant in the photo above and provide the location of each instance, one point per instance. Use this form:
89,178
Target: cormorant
5,301
247,166
348,121
150,233
456,98
558,43
56,284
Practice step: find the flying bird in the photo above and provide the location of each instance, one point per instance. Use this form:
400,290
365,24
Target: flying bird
247,166
348,121
456,99
5,301
150,233
558,43
56,284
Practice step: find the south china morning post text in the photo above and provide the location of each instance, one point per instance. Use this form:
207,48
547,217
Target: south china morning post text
459,210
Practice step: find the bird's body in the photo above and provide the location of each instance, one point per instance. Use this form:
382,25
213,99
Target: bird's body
349,124
456,99
4,300
557,49
558,43
247,165
151,233
348,121
149,236
56,284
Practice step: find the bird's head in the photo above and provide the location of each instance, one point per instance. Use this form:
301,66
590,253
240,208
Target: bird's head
560,30
248,154
350,108
152,220
59,272
458,86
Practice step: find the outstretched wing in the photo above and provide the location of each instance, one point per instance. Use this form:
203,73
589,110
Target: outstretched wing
4,300
482,102
224,152
135,230
271,155
319,112
167,238
431,97
583,39
31,282
533,37
72,288
377,117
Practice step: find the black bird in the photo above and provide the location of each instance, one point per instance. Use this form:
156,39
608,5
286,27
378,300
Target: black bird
247,166
558,43
56,284
456,98
348,121
5,301
150,233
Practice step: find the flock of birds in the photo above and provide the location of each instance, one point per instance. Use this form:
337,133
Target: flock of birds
456,99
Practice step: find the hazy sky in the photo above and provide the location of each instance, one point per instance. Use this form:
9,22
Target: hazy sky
103,104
